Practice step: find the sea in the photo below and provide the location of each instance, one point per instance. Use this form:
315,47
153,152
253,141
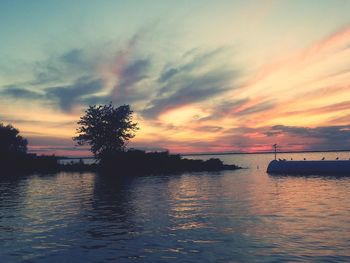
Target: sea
244,215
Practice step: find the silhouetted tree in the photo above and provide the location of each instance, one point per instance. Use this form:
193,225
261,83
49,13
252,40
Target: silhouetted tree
106,128
11,143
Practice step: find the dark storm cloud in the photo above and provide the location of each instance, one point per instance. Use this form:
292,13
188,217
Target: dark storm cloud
68,96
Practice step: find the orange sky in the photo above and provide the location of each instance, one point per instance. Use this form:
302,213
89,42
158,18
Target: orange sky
275,72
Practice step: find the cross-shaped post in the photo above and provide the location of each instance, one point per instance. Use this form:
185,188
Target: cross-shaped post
275,148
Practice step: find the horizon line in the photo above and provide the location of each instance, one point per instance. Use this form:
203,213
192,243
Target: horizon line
263,152
224,153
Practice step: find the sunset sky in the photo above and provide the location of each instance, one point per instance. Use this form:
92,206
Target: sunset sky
201,76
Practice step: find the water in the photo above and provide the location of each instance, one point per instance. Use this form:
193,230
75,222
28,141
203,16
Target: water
231,216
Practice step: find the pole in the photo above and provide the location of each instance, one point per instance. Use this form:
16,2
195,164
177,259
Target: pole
275,147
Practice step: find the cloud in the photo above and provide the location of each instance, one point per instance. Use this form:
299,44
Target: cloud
327,137
337,132
131,74
168,74
65,97
223,109
259,107
68,96
134,72
123,74
73,57
209,128
238,108
197,61
128,88
53,124
44,140
122,69
190,90
78,76
195,81
69,66
20,93
44,144
344,105
289,138
341,120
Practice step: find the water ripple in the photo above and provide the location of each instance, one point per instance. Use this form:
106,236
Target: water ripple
206,217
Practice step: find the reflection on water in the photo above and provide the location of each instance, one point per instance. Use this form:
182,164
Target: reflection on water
243,215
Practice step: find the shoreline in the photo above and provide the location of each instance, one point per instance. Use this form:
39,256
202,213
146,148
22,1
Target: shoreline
216,153
130,162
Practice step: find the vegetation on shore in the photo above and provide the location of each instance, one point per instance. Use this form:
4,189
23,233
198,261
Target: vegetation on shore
107,130
129,162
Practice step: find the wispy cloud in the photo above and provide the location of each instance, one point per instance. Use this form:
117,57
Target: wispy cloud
255,108
67,97
15,92
327,137
299,100
193,82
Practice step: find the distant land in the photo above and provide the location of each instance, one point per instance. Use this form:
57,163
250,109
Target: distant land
228,153
219,153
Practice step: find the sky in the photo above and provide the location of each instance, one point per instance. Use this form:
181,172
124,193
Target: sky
201,76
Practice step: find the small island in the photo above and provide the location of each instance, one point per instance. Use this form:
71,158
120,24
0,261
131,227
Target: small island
106,129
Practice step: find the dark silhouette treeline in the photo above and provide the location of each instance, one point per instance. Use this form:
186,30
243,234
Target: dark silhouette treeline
132,162
14,156
141,162
28,163
107,130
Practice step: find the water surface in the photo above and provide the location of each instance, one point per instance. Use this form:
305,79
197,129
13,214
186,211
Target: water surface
244,216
